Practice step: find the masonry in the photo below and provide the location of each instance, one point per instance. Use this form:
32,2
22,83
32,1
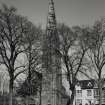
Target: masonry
52,79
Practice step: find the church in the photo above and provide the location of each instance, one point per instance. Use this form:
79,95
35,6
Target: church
53,92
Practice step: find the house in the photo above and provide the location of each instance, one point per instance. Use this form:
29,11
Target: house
87,93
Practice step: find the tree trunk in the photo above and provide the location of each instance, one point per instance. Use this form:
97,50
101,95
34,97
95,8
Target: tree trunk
40,103
100,94
11,92
71,99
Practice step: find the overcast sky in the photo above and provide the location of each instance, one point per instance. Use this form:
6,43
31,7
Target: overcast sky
71,12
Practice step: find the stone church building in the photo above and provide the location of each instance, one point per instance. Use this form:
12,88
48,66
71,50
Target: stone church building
53,92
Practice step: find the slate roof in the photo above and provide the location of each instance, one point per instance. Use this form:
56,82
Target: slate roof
86,84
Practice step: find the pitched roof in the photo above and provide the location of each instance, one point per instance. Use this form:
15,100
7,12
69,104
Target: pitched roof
86,84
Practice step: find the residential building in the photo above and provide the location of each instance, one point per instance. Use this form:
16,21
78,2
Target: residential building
87,93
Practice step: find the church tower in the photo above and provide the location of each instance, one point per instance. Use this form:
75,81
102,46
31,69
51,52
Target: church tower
52,79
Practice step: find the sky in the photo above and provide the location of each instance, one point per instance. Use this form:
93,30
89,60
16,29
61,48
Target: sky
70,12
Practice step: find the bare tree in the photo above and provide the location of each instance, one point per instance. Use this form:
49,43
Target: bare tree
12,32
73,50
33,42
96,53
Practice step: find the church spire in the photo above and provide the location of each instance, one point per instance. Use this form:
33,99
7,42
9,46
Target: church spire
51,60
51,19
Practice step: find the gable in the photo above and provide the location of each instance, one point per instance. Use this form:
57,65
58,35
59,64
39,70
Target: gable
89,84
